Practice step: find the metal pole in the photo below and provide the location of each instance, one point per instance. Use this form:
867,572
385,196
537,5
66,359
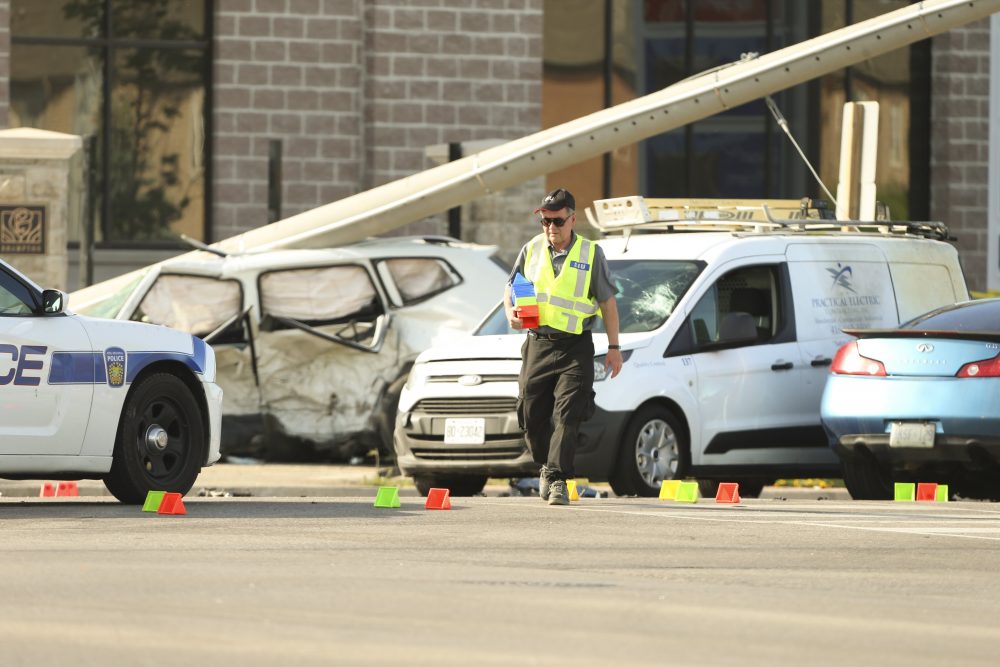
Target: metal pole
274,180
455,213
89,219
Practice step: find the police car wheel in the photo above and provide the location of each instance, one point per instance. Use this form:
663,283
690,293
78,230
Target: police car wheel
654,448
161,442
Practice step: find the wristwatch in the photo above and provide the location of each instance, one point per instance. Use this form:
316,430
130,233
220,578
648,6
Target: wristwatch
614,347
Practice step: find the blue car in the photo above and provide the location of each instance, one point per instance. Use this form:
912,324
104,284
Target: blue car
920,403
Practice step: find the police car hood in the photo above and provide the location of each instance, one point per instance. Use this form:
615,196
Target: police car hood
139,345
509,347
136,335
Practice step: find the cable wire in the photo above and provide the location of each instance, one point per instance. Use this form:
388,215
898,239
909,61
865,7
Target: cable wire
783,124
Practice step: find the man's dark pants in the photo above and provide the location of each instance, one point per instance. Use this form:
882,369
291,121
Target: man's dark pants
556,396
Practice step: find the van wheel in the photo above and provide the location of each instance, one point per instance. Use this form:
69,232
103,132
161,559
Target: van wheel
865,479
160,444
654,448
458,485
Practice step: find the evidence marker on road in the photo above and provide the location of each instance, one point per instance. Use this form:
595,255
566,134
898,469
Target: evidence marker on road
387,497
164,503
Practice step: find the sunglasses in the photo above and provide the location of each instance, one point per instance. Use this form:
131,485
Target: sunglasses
558,222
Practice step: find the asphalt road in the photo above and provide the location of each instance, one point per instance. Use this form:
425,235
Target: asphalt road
499,581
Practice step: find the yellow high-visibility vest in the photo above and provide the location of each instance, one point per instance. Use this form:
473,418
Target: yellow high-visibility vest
564,301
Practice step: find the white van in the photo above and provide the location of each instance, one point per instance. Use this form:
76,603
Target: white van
727,337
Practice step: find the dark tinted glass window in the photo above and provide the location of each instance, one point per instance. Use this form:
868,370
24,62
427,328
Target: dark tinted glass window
750,290
158,19
15,297
156,176
57,18
149,151
598,53
972,316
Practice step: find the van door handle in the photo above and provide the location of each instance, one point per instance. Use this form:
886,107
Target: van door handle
784,366
822,361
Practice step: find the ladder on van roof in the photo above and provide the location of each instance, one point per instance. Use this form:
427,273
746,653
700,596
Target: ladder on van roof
628,214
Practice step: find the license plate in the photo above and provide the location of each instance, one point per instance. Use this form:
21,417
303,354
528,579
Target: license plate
470,431
911,434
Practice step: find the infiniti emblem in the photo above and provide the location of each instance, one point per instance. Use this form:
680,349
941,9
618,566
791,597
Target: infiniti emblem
925,347
470,380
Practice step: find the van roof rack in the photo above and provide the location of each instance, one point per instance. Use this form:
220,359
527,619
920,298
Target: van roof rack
636,213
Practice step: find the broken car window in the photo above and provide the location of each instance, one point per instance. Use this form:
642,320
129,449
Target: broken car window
648,290
109,304
195,304
340,297
419,278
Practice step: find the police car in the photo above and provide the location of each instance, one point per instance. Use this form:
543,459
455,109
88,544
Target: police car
133,404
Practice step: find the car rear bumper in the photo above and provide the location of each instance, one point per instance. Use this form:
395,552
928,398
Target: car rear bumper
962,410
971,452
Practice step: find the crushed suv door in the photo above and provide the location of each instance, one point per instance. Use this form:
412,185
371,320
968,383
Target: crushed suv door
212,309
326,351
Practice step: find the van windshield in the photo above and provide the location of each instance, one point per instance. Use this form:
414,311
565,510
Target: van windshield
647,291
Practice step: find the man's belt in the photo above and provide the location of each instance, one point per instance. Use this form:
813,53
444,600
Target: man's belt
555,336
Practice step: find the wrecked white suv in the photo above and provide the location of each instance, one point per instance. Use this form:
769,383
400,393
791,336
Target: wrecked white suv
313,346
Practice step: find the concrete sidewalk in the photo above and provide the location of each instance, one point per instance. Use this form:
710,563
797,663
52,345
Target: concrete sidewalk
267,480
276,480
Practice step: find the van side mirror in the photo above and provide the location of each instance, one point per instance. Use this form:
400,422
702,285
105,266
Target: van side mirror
54,301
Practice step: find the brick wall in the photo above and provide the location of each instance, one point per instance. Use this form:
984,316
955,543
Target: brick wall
960,141
287,70
441,71
4,61
357,90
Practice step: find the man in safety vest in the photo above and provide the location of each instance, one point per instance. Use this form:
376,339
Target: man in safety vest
572,284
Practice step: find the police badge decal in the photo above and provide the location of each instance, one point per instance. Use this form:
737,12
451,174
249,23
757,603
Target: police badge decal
114,362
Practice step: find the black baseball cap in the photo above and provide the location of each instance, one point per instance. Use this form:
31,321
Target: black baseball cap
556,200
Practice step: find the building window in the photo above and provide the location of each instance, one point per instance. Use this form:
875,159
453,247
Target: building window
900,82
597,54
135,75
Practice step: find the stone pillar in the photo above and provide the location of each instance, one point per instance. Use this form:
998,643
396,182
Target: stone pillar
41,191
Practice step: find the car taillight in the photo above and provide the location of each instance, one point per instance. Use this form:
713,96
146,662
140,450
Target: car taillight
850,362
985,368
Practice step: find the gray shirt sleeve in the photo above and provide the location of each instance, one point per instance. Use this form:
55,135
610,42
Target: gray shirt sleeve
601,287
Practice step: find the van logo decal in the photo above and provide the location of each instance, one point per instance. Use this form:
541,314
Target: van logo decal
925,347
470,380
842,276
